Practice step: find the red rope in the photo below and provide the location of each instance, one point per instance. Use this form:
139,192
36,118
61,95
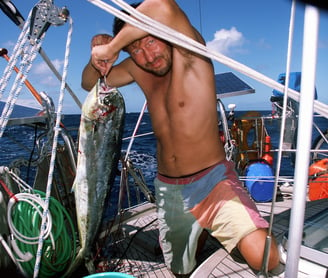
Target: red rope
5,187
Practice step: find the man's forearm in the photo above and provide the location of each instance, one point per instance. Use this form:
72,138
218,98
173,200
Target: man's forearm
158,10
90,75
166,12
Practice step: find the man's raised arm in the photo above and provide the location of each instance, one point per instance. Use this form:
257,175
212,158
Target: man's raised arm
166,12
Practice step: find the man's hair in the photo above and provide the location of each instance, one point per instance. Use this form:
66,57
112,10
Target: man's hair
119,23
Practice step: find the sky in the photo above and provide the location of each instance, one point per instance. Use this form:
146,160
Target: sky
254,33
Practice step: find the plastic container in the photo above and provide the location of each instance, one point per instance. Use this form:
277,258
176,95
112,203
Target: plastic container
109,275
260,181
318,180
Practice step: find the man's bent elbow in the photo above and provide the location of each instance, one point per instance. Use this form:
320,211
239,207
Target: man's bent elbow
86,85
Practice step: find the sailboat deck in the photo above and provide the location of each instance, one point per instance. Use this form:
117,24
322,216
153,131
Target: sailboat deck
138,252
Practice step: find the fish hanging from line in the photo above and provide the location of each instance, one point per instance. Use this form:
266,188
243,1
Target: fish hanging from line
100,140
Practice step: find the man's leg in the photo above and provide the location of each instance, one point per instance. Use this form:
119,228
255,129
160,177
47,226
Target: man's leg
252,248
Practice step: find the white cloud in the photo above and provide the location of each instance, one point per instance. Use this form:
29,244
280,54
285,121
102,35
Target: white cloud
225,40
43,69
44,73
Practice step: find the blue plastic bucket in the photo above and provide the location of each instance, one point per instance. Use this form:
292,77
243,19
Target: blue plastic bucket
260,181
109,275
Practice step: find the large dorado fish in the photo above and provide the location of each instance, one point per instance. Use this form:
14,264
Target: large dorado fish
100,137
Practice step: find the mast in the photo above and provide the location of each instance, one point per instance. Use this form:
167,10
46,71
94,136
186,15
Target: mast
310,41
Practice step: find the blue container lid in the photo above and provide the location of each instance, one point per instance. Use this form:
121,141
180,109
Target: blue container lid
260,181
109,275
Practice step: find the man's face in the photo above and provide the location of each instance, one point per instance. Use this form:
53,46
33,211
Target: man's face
152,54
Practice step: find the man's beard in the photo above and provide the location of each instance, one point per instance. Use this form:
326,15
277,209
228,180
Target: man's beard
160,71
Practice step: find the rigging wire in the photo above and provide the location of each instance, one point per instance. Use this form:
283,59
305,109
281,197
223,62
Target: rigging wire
264,269
135,130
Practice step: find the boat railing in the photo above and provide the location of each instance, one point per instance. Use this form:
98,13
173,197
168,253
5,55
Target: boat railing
127,170
248,138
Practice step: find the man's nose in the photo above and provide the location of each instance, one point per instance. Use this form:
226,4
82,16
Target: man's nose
149,55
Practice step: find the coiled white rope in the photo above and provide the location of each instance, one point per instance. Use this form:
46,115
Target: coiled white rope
54,149
36,203
157,29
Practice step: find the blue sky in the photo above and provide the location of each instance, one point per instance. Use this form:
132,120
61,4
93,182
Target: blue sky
253,32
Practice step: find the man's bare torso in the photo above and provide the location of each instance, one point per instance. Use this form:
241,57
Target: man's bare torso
184,117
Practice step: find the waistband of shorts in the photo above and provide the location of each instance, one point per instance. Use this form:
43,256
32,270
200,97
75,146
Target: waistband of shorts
188,179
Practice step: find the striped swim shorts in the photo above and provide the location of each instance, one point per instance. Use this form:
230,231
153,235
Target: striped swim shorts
213,199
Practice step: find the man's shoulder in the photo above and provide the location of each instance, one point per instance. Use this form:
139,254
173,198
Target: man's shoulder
126,65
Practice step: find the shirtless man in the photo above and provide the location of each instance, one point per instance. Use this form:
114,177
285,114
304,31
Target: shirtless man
196,188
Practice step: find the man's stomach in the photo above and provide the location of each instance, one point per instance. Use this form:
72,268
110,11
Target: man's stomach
187,160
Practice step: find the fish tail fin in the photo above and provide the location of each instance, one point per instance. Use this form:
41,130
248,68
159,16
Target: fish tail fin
75,264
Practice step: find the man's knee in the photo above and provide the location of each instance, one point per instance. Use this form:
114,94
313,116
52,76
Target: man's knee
252,248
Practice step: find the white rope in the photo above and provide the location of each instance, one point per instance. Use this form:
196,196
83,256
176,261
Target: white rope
36,202
23,186
29,53
11,64
53,152
155,28
11,255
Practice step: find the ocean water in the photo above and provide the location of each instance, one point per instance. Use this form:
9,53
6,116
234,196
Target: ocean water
19,142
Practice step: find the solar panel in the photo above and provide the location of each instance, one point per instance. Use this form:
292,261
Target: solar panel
229,85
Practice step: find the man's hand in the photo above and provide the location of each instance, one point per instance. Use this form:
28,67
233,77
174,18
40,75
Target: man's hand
102,57
95,68
100,39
